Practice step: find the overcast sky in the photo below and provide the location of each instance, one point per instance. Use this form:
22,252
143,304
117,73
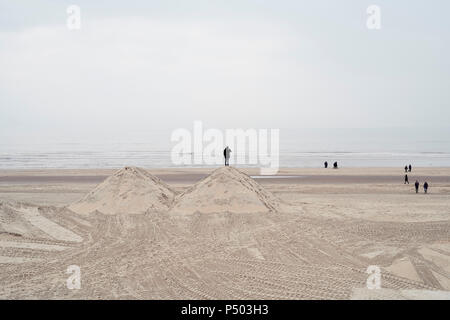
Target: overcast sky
143,65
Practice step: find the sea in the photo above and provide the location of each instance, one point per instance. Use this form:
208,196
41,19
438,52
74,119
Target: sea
298,147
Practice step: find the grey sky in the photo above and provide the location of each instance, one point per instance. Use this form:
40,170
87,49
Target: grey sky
140,65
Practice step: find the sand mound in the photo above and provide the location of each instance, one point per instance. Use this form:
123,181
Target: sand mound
226,190
130,190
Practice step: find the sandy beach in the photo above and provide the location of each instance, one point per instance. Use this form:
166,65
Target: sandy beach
224,233
224,150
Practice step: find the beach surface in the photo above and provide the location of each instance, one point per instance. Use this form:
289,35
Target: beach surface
302,234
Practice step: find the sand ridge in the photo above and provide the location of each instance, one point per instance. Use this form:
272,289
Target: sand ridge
26,221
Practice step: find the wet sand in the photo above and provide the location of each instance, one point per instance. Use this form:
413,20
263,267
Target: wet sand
190,176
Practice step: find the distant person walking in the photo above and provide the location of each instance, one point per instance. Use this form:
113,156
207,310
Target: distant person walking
409,168
226,155
425,187
416,185
406,179
325,164
406,168
335,166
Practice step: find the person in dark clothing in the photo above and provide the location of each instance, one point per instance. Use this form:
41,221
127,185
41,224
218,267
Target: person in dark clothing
406,168
406,179
335,166
425,187
409,168
226,155
416,185
325,164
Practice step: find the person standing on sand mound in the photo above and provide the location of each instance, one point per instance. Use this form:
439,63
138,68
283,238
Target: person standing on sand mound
226,155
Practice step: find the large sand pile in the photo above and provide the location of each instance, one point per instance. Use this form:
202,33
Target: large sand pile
226,190
130,190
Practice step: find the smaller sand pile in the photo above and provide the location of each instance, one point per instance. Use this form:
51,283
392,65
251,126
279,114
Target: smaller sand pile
226,190
130,190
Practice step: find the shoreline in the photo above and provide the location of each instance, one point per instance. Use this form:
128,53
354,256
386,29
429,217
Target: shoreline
99,170
191,175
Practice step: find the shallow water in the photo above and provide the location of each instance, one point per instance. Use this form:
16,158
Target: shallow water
298,148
